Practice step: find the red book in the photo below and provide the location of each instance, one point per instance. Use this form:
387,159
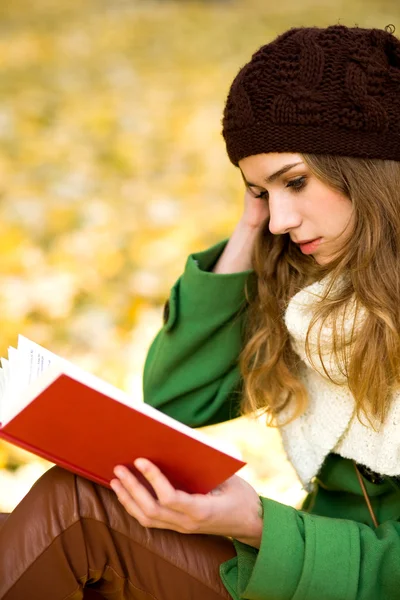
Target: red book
74,419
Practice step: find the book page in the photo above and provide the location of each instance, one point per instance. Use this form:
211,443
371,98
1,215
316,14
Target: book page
2,382
16,376
27,364
24,365
40,359
35,358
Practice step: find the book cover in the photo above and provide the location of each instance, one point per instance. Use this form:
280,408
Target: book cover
88,426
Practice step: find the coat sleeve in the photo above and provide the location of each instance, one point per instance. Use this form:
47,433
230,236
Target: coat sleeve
191,371
310,557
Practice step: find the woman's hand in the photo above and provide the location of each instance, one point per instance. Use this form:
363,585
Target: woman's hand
237,255
233,509
255,212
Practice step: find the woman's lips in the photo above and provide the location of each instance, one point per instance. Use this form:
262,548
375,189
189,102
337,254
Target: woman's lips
309,247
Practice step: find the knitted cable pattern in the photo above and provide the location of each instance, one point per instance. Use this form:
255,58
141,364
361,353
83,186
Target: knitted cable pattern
321,91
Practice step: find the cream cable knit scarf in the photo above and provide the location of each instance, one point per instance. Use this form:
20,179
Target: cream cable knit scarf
330,423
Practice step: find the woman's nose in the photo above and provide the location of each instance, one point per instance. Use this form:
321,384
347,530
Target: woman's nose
283,217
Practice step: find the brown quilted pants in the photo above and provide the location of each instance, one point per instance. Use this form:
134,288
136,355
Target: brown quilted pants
68,534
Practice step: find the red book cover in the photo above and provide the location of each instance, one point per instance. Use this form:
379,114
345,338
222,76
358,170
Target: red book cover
81,428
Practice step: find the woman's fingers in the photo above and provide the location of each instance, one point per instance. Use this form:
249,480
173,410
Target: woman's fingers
194,505
134,509
218,513
139,503
167,495
173,509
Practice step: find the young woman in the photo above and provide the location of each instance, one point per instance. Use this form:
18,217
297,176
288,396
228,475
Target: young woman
296,314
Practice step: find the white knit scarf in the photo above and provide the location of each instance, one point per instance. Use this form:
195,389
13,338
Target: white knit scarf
330,423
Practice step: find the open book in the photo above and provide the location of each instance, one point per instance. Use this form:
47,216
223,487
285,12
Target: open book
74,419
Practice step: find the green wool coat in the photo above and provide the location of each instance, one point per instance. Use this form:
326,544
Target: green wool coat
328,550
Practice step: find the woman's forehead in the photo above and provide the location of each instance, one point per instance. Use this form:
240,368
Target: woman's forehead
267,165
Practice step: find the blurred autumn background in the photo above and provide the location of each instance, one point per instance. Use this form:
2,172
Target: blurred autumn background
113,170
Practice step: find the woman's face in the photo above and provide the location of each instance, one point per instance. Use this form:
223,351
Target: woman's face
299,203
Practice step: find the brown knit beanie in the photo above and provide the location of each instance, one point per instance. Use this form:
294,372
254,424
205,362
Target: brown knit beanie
318,91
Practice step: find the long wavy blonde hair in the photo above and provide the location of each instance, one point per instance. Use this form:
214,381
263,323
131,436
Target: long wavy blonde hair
370,259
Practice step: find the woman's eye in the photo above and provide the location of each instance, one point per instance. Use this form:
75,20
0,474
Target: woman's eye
263,195
297,184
